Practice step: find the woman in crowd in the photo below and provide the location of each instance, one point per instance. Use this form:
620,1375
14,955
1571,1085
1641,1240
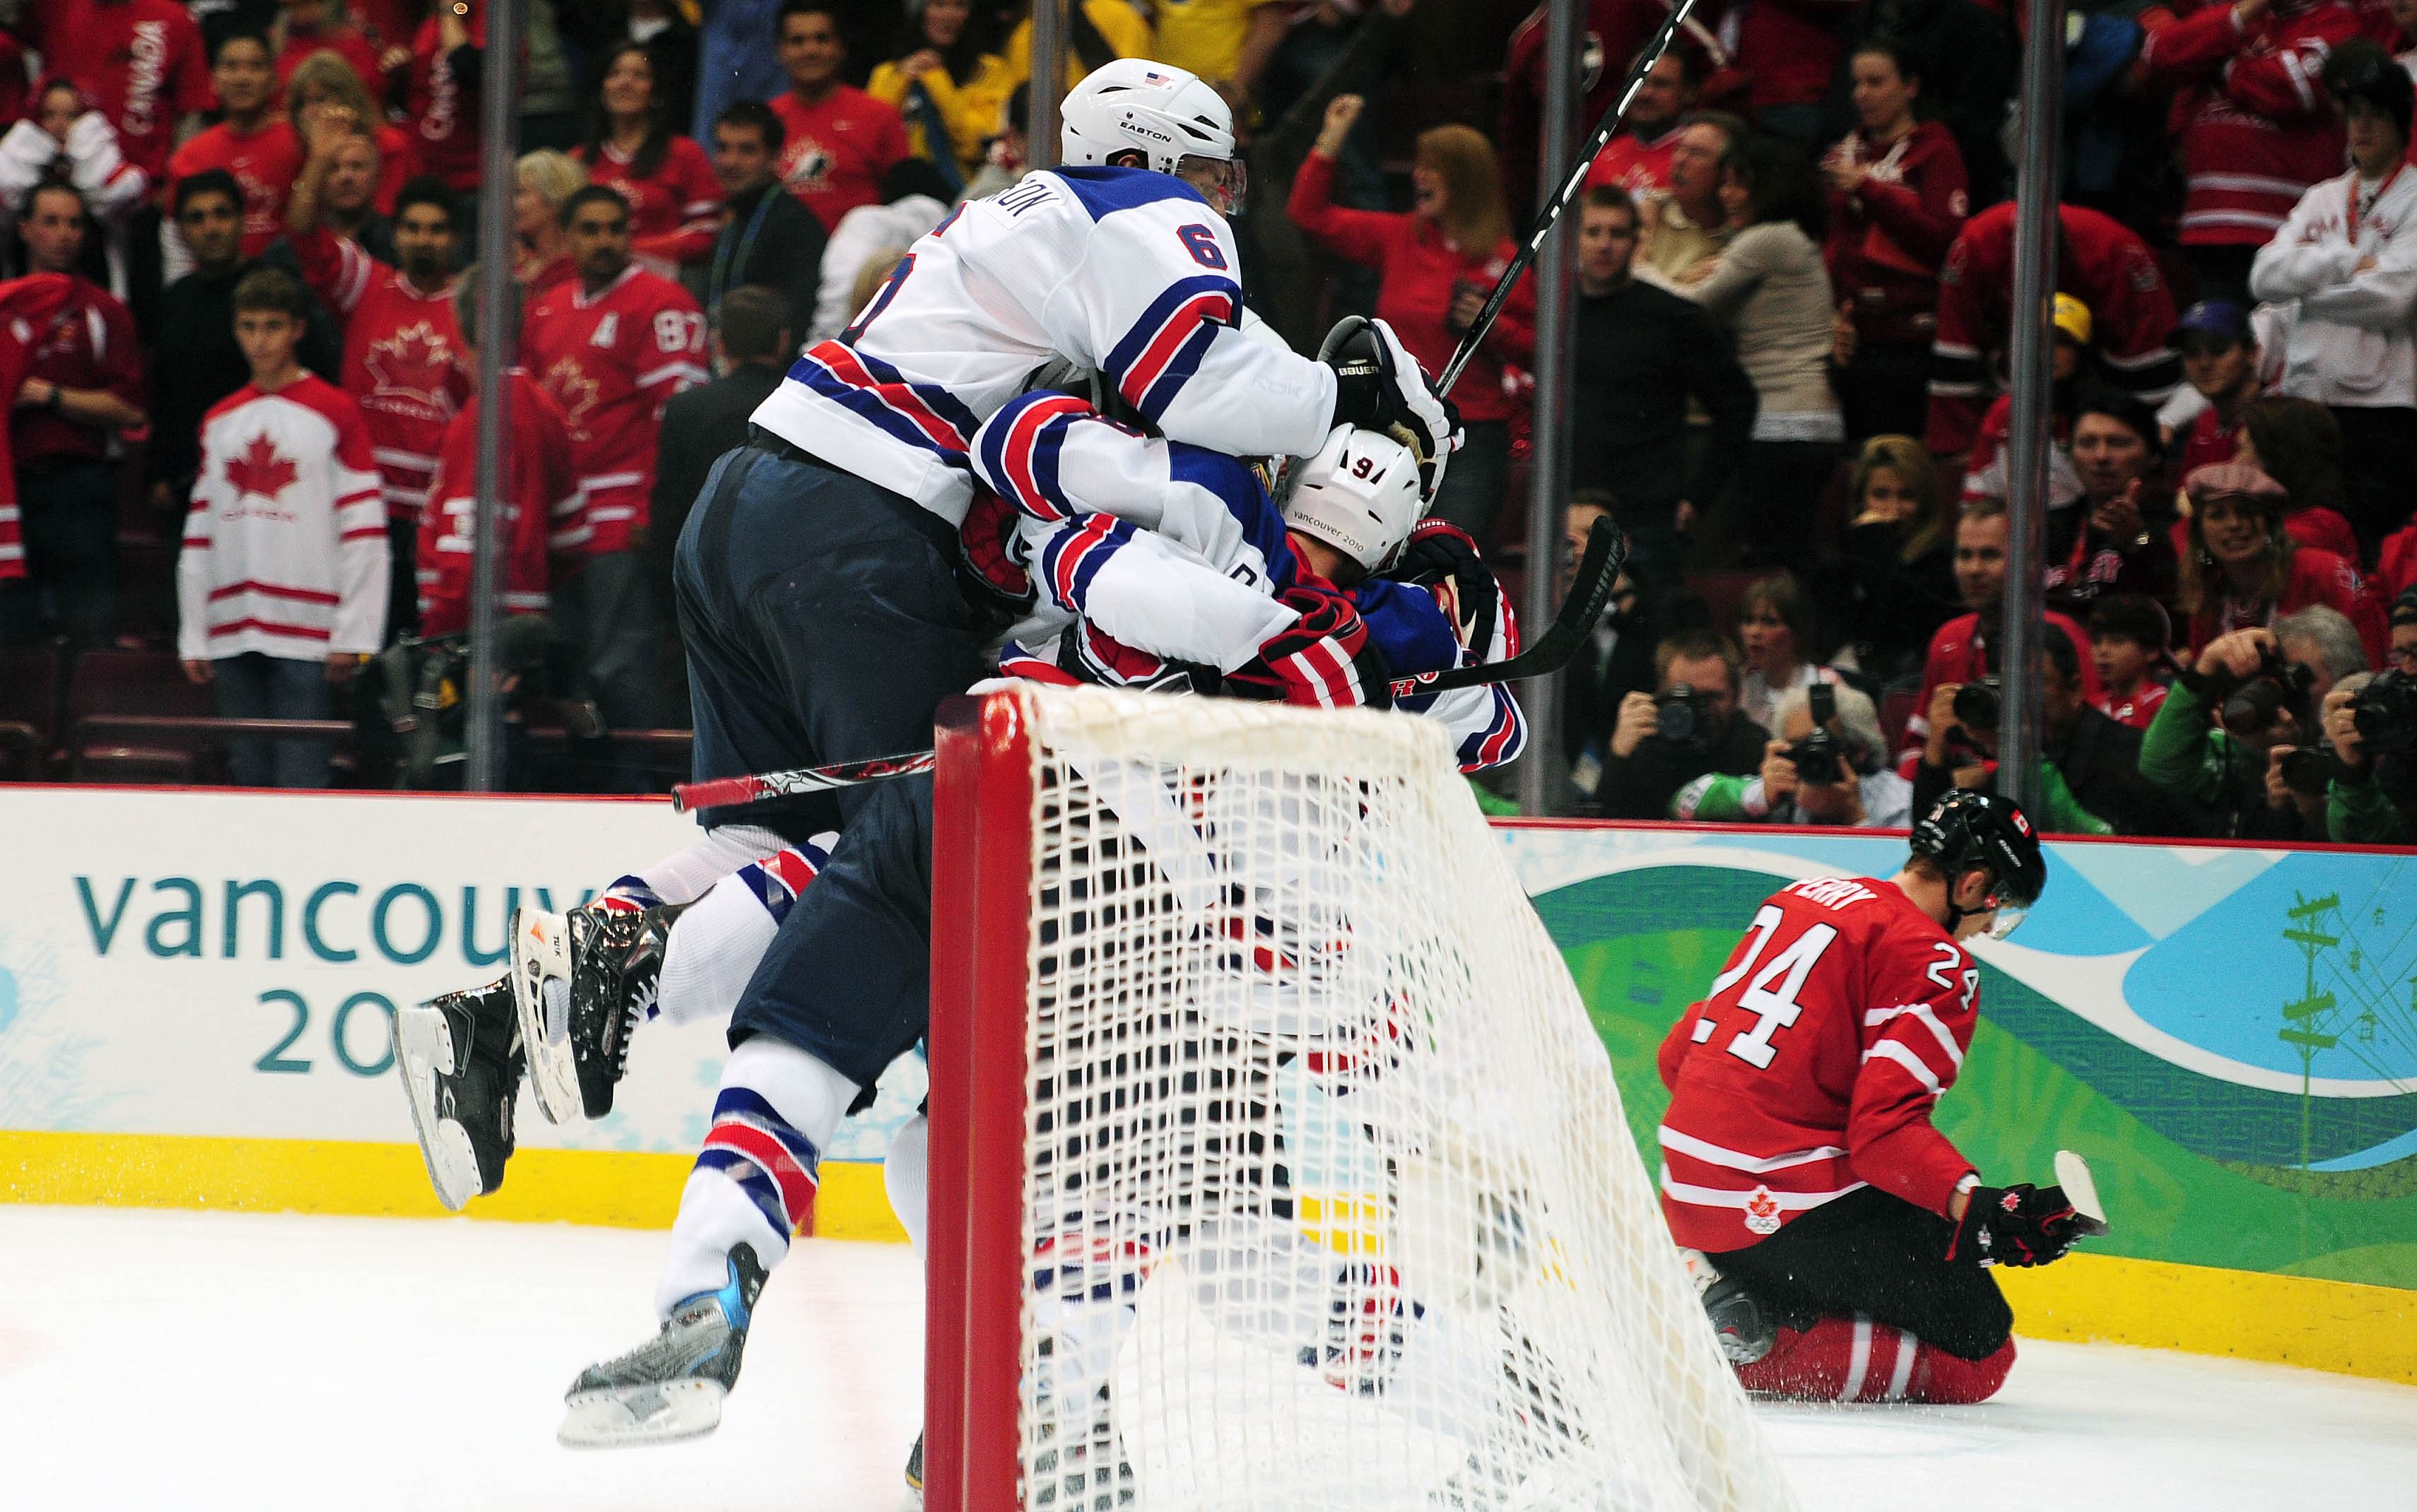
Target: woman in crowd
64,134
326,79
541,181
674,200
2112,539
1897,562
948,84
2245,570
1771,288
1774,624
1896,201
2298,444
1434,267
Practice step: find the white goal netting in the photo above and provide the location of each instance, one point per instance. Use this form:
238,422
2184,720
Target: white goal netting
1326,1187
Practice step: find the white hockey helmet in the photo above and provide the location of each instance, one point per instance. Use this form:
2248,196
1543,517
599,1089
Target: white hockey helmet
1360,494
1132,112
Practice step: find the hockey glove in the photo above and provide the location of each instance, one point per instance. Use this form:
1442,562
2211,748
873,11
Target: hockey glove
992,573
1323,659
2017,1225
1442,558
1379,387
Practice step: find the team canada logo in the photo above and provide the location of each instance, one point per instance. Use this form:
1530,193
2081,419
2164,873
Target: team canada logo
410,367
259,470
1762,1212
574,391
808,162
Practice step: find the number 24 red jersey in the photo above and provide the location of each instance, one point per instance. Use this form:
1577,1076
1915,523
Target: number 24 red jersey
1812,1069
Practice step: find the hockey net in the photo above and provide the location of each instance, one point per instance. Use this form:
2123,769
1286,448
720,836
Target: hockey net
1276,1161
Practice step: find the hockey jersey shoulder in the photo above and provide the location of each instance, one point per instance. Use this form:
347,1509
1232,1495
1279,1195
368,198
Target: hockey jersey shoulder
1103,192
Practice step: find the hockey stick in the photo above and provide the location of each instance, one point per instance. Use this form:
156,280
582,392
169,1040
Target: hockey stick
1607,553
1551,214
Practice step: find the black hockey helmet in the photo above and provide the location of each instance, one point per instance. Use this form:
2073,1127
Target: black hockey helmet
1969,829
2360,69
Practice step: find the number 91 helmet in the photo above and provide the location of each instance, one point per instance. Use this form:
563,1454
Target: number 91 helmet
1360,494
1967,830
1132,112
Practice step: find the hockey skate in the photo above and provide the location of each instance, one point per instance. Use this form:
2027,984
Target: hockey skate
460,1060
582,983
671,1386
1746,1328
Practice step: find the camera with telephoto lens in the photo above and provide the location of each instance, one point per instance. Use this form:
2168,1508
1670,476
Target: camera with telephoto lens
1980,705
1685,716
2310,772
2385,714
2278,687
1820,756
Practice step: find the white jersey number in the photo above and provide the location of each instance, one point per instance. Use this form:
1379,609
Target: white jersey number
1771,996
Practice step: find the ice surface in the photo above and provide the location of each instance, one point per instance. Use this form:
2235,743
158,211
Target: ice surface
190,1361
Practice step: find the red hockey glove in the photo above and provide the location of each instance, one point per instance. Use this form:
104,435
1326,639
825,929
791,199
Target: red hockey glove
2017,1225
1323,660
987,542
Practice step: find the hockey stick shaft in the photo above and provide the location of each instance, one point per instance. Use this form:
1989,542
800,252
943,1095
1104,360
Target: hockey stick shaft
1551,214
725,791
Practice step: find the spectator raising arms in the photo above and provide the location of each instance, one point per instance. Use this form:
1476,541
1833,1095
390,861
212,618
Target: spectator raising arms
543,182
838,140
1898,585
2347,262
1896,201
1768,283
2248,570
1436,266
674,200
251,141
320,81
63,138
440,92
948,84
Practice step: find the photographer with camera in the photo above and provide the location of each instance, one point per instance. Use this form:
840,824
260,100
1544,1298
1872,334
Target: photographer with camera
1825,767
1689,726
1961,749
2248,693
2371,724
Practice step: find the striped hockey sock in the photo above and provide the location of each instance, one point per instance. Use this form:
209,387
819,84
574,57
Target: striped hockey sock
1855,1359
715,946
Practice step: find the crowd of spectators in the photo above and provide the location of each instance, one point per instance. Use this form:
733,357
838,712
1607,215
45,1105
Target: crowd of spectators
1794,277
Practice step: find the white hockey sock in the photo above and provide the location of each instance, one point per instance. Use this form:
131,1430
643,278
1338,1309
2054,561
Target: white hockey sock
754,1179
684,875
714,947
905,1172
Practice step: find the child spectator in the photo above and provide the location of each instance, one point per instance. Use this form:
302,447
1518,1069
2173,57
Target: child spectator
675,201
1896,201
2248,570
440,93
948,85
2131,637
1436,266
318,82
1899,585
251,141
838,141
282,582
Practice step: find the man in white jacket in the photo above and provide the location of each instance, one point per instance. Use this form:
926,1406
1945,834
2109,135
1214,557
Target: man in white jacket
2347,262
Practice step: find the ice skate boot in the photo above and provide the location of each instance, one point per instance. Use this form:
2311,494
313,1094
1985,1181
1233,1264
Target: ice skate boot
582,983
460,1060
671,1386
1746,1328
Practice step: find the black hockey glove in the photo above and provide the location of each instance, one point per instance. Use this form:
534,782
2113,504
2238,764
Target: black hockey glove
1378,386
1322,660
1442,557
2017,1225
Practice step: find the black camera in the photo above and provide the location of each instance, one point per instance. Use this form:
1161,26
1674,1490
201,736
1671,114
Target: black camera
2310,772
2278,687
1685,716
2385,714
1980,705
1818,756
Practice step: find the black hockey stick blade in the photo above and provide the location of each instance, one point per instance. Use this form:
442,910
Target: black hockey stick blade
1607,553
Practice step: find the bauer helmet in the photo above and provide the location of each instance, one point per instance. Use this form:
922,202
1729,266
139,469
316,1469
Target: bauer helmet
1359,494
1967,830
1135,114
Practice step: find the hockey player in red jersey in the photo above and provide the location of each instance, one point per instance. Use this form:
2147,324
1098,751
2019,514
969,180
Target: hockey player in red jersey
1846,1238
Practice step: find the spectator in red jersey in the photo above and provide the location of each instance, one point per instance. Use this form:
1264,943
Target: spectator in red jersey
543,487
440,92
1638,157
1434,267
2224,363
543,182
402,353
2298,444
1959,653
838,140
1964,54
675,201
1614,29
304,27
1896,201
82,384
2099,262
25,304
63,137
283,582
1787,50
316,82
2247,570
139,60
1897,583
2253,124
2113,539
612,346
1988,472
251,141
2131,638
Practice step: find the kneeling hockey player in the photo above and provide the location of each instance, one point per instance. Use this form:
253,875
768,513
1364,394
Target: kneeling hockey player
1842,1239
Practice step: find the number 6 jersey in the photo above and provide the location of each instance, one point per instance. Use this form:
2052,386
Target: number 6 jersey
1813,1068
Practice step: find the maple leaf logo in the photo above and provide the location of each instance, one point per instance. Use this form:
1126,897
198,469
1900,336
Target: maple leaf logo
574,391
1762,1212
413,365
258,469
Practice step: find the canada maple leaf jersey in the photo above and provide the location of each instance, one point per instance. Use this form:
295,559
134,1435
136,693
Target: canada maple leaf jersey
1119,269
543,490
403,360
442,115
611,361
834,152
674,213
1148,554
27,307
139,60
285,545
1812,1069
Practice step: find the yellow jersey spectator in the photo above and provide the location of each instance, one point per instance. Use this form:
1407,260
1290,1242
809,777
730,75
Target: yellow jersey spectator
946,84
